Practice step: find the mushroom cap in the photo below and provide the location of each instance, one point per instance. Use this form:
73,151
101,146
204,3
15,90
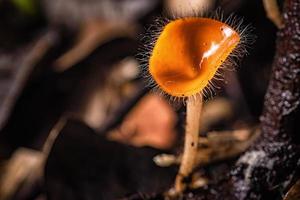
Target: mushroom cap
188,53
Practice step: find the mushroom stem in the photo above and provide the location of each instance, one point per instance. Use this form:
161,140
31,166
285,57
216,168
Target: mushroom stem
194,107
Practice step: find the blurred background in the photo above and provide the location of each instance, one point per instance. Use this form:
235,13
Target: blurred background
77,120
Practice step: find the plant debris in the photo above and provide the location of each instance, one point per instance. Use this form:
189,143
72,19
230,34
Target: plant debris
77,120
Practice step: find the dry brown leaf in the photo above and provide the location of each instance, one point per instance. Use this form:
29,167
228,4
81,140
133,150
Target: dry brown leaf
150,123
26,165
23,164
93,33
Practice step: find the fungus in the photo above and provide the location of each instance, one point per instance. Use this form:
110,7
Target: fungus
185,58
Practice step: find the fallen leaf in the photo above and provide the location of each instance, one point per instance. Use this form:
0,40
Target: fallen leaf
150,123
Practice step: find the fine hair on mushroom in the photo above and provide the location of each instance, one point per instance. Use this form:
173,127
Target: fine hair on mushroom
153,31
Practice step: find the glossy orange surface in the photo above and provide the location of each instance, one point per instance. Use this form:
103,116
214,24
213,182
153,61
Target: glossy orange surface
188,53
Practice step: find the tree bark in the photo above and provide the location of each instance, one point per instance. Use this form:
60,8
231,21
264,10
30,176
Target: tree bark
272,164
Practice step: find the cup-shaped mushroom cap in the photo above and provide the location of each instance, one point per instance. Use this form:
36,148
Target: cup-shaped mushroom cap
188,53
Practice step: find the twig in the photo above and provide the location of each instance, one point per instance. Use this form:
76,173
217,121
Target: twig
273,12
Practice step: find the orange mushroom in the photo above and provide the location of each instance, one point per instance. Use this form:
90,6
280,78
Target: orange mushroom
185,58
189,52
